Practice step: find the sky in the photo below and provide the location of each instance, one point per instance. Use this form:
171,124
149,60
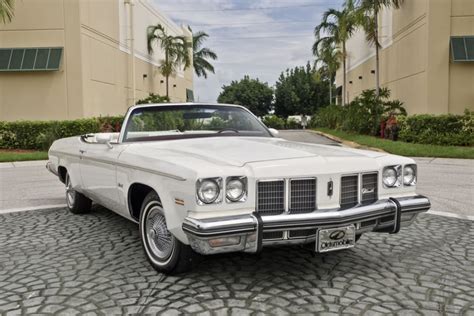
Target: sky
259,38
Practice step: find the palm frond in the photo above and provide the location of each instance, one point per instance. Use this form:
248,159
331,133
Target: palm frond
201,55
199,38
6,10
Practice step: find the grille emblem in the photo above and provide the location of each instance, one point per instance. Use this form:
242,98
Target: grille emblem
330,188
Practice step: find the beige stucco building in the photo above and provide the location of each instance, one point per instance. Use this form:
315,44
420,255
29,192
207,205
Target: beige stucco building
77,62
417,62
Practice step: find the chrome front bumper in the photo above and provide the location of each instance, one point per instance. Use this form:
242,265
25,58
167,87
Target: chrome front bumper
245,232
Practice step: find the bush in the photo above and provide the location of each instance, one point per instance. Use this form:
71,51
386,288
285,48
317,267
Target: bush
330,117
41,134
363,115
274,121
154,98
449,129
291,123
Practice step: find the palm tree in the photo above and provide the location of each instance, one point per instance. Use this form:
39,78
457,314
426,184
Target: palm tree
200,55
338,26
367,17
6,10
329,56
176,49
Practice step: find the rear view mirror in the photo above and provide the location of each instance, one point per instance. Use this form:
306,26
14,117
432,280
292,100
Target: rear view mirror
274,132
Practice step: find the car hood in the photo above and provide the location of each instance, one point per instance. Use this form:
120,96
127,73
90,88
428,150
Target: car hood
238,151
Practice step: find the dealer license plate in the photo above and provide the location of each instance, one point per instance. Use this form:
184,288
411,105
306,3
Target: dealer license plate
335,238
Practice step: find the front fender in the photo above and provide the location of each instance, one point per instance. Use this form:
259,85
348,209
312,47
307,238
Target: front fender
175,203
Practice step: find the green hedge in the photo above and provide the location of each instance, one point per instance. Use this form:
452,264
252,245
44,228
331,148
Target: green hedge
277,122
41,134
457,130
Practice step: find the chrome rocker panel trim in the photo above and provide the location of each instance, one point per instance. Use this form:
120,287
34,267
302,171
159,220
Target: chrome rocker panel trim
250,227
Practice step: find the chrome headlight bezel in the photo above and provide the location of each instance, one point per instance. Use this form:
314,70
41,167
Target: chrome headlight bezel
200,199
414,175
242,197
397,170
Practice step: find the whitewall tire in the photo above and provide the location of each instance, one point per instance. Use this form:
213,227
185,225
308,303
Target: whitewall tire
76,202
164,252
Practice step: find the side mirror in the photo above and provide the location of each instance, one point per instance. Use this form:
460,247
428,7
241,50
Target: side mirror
274,132
104,139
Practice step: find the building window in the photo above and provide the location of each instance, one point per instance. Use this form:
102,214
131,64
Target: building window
189,95
30,59
462,48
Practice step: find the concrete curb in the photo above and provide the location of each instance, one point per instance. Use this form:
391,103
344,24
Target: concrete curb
19,164
447,214
346,142
33,208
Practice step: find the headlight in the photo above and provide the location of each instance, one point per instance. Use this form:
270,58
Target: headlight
236,189
409,175
209,190
391,176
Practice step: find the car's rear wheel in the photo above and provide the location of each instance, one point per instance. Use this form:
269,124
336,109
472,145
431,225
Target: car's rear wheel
164,251
76,202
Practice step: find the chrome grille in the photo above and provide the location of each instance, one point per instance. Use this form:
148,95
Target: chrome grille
303,233
271,197
349,191
369,188
302,196
272,235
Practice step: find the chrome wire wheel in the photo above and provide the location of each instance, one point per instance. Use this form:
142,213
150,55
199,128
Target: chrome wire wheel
70,193
160,241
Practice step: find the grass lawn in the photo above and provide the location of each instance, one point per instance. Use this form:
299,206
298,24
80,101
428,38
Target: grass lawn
402,148
7,155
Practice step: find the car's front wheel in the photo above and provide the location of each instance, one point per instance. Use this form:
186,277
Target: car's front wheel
164,252
76,202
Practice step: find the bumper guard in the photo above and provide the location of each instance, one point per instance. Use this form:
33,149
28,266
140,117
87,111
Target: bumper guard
245,232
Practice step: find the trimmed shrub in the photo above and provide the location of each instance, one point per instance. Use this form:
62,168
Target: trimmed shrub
291,123
41,134
457,130
330,116
274,121
154,98
449,129
363,115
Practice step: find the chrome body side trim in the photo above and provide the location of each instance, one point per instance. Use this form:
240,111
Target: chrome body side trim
378,217
119,164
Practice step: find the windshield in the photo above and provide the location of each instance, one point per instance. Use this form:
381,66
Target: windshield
189,121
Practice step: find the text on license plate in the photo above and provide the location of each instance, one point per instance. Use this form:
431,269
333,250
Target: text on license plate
335,238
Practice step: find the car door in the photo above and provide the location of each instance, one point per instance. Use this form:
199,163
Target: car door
99,173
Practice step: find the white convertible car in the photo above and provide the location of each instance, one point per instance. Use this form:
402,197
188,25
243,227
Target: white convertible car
201,178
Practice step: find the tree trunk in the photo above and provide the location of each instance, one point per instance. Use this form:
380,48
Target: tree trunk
377,68
167,75
330,89
344,73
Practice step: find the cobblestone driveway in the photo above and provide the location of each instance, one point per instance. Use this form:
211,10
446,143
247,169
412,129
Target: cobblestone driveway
53,261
